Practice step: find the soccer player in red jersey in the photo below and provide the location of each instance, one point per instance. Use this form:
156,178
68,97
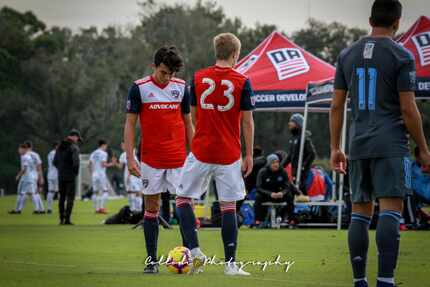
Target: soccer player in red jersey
221,101
161,102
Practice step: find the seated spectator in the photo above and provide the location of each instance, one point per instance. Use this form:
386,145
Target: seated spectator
251,180
273,185
420,180
421,188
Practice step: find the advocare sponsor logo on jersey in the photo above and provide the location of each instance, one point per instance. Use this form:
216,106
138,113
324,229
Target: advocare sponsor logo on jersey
422,42
163,106
288,62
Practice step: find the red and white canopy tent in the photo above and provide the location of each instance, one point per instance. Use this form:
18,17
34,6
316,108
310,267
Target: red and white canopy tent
417,40
280,71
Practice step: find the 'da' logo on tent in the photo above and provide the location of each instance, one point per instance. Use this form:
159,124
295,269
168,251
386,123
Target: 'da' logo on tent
288,62
422,42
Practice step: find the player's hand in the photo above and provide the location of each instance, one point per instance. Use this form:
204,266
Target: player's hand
133,168
273,195
338,161
247,164
425,162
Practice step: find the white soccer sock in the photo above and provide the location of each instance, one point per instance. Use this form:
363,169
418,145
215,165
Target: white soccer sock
94,199
138,203
35,201
20,202
50,199
131,201
103,199
40,206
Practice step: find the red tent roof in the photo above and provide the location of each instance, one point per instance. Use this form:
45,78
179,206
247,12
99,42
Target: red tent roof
417,40
278,65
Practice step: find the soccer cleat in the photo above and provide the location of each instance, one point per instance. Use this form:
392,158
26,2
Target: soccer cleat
49,211
103,211
68,222
231,269
198,260
14,211
151,269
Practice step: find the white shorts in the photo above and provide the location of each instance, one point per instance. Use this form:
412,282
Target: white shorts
27,187
155,181
100,183
133,184
195,176
52,184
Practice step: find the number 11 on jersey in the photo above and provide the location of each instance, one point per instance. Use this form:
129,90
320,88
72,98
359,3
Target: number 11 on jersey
372,75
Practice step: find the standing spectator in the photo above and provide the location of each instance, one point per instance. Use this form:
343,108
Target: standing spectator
66,161
295,125
273,185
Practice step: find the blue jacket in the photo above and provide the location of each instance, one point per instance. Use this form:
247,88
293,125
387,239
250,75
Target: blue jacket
420,183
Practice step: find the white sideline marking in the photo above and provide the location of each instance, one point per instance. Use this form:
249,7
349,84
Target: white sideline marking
289,281
40,264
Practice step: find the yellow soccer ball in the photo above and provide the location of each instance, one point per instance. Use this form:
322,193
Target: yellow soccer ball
179,260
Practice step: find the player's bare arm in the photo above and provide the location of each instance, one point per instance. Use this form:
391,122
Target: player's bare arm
189,129
338,158
413,122
129,138
19,174
40,179
248,136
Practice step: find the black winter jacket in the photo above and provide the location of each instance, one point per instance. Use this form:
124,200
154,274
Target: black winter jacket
294,152
66,160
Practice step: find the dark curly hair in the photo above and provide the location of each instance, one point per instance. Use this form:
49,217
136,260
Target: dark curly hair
170,57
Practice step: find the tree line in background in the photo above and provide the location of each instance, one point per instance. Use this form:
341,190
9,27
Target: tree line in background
54,79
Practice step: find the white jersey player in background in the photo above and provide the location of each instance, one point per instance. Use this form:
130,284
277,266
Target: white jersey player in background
26,184
132,184
98,164
52,178
37,176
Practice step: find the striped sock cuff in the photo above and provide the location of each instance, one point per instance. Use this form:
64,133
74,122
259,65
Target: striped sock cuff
394,214
150,215
228,207
182,201
360,217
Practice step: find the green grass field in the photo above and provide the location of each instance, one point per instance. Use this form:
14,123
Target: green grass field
36,251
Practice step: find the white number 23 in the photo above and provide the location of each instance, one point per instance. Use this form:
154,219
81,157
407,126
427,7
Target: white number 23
228,93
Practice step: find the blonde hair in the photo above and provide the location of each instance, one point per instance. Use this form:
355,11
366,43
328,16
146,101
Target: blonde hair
225,45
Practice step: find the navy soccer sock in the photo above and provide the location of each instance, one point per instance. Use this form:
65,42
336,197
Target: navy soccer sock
150,228
187,221
229,230
358,241
387,241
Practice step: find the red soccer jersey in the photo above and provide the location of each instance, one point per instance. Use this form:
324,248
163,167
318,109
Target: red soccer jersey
160,110
220,94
